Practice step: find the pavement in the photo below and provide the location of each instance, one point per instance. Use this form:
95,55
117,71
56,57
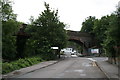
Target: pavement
110,70
29,69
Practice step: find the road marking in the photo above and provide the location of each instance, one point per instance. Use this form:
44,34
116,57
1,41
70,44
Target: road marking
91,59
80,71
93,63
86,64
82,74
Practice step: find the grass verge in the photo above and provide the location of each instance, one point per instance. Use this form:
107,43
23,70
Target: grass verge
21,63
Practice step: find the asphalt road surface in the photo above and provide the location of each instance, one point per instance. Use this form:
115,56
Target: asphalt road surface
68,68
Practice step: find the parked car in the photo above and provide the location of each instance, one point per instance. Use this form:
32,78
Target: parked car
73,55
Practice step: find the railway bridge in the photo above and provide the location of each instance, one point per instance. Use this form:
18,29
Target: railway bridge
85,40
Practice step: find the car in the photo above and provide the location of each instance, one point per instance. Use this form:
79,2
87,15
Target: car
74,55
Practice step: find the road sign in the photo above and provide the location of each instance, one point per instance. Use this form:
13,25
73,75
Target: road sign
54,47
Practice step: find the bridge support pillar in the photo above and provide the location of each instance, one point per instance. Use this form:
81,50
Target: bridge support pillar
85,51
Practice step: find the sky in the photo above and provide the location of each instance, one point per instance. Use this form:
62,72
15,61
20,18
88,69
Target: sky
71,12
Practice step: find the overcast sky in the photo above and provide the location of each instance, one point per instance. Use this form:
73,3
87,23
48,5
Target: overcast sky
71,12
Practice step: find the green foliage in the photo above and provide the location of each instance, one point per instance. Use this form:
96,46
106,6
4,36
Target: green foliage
46,31
8,40
112,36
99,29
106,32
113,30
7,12
108,47
87,25
9,27
21,63
52,29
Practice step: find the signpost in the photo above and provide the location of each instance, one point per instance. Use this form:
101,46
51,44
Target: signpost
56,50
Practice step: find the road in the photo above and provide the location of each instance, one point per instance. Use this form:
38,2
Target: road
68,68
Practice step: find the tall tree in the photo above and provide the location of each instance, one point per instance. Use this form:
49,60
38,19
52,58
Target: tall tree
48,31
99,29
112,42
9,26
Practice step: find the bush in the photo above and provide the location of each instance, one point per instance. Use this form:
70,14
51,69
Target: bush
21,63
48,56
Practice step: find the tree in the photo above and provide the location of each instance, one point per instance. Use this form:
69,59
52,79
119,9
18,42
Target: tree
106,32
8,40
87,25
7,12
47,31
99,29
112,37
9,26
